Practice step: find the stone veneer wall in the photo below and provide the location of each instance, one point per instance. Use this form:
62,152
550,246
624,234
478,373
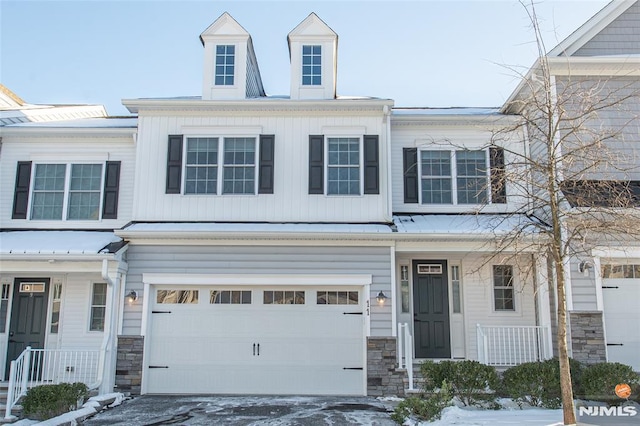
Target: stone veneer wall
587,337
382,377
129,364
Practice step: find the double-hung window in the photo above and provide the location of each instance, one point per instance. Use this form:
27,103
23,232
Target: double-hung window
98,307
204,164
75,189
343,166
311,65
225,65
503,296
454,177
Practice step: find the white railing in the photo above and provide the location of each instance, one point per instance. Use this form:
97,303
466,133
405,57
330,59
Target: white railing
405,351
513,345
36,367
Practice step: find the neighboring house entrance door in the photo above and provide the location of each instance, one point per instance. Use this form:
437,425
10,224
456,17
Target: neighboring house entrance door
28,317
431,309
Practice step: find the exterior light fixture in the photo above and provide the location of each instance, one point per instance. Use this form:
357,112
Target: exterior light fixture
131,297
584,267
381,297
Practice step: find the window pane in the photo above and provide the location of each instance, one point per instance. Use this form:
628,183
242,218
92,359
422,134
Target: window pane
177,296
48,191
503,288
201,169
472,177
343,166
239,166
98,307
225,65
436,177
311,75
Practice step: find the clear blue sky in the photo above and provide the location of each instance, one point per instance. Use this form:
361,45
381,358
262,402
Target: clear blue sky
419,53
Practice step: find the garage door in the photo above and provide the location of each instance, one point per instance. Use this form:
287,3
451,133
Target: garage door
621,298
245,340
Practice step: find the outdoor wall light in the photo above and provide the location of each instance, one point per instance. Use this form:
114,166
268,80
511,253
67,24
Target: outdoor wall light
131,297
381,297
584,267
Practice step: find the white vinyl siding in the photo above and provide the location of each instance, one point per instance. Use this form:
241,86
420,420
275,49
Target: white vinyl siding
290,201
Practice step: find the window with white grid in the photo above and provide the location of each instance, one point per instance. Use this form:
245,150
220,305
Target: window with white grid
343,166
239,166
201,166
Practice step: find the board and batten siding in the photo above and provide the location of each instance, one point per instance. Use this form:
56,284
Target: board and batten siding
437,137
159,259
620,37
66,149
290,201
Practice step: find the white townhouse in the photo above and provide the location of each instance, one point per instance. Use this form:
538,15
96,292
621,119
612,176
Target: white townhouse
240,243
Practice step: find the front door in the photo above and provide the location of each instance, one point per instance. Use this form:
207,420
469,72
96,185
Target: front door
28,316
431,309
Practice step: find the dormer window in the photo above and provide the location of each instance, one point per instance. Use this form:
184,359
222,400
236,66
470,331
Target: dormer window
225,64
312,65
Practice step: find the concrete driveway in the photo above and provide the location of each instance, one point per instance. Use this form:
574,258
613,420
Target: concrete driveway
246,410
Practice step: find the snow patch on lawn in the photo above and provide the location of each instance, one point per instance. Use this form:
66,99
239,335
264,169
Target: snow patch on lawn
476,417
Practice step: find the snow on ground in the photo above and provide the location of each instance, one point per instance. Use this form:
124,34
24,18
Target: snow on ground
470,417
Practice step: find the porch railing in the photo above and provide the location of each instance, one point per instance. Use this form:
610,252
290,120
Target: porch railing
405,351
513,345
36,367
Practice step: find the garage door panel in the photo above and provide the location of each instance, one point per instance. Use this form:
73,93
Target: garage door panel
621,316
310,348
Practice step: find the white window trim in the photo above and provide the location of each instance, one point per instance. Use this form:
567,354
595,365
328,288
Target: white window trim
321,85
235,66
517,302
91,306
220,164
360,163
454,176
67,190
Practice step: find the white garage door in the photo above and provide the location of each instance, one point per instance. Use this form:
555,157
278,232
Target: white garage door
621,297
255,341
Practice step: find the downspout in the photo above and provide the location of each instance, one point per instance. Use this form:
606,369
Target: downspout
107,341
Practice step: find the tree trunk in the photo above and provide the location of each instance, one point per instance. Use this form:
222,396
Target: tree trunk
566,390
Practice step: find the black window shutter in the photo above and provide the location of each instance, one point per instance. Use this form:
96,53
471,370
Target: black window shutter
316,164
371,165
111,189
410,173
265,166
21,194
174,164
498,178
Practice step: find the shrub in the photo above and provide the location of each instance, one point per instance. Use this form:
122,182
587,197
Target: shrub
599,380
538,383
424,407
47,401
470,381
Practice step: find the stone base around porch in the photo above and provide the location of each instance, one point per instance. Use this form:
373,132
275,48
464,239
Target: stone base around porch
383,376
587,337
129,364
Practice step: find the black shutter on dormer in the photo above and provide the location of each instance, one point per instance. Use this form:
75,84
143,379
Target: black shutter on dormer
410,174
497,174
316,164
174,165
21,194
371,165
266,164
111,190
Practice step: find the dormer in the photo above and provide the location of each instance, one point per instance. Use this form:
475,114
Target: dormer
230,66
313,50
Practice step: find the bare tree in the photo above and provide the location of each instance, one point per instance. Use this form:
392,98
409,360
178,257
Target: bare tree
575,176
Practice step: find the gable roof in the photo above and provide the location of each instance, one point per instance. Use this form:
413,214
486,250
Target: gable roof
224,25
8,99
591,28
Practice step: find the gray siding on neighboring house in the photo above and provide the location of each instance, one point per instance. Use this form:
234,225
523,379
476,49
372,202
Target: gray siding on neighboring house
621,37
260,260
583,289
619,123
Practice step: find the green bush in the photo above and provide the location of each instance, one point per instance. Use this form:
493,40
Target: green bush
47,401
599,380
538,383
424,407
470,381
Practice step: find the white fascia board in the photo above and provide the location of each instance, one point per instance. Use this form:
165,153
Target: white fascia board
24,264
41,131
257,104
616,252
257,279
618,66
485,121
53,258
591,28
